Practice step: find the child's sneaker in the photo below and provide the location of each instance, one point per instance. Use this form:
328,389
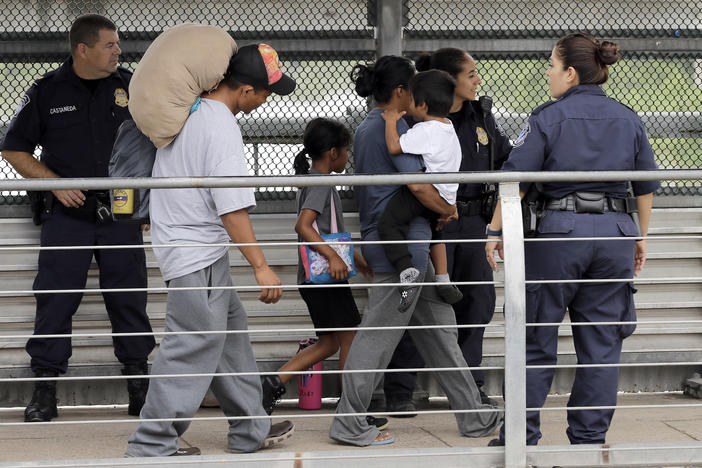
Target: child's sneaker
449,292
408,293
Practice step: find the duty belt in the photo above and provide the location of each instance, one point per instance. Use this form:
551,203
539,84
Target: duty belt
469,207
587,202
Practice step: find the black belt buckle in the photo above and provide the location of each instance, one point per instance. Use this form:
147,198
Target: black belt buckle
588,202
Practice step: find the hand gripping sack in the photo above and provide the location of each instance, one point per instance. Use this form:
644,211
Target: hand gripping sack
179,65
133,155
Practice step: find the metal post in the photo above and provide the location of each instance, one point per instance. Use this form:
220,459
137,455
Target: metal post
515,339
389,29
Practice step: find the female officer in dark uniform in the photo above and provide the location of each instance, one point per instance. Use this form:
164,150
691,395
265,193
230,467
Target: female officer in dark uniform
478,133
581,130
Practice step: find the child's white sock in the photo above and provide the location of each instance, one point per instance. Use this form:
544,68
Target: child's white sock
441,278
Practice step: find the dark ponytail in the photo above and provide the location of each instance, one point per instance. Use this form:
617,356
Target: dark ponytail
300,164
320,136
449,59
381,78
587,56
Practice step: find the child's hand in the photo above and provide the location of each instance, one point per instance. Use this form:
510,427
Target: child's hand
338,268
392,115
362,265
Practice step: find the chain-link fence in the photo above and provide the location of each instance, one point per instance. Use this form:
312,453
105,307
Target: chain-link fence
319,42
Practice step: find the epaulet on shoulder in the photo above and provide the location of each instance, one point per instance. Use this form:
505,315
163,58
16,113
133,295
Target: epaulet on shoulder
542,107
124,71
632,110
47,76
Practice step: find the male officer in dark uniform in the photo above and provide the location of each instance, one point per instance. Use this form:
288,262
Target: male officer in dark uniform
73,113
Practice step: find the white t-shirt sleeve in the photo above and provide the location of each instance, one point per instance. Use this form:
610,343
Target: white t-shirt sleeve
417,140
229,161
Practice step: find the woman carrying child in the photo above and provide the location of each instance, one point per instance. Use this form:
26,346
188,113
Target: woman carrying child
387,81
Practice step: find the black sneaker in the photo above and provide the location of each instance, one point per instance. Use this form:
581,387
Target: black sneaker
496,443
486,400
379,423
273,389
42,407
185,452
449,292
408,292
400,404
278,433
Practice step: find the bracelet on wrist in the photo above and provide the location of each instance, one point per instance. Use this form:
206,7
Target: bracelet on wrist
490,232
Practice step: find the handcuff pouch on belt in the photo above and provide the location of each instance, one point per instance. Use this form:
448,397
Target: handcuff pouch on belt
532,210
488,201
95,208
39,201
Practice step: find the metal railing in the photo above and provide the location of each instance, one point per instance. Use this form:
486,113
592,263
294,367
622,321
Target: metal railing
516,453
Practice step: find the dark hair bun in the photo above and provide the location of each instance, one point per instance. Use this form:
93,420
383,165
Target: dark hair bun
362,76
608,52
423,62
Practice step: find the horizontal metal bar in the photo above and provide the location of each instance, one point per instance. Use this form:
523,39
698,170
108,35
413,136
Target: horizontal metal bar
337,329
486,46
365,45
105,183
254,331
59,48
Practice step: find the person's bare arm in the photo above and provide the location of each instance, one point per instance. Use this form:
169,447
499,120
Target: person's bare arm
28,167
392,138
238,226
430,198
337,267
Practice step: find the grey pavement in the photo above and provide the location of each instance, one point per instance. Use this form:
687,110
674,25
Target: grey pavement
434,434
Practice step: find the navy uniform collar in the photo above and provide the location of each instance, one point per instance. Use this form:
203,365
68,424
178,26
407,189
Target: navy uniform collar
591,89
66,73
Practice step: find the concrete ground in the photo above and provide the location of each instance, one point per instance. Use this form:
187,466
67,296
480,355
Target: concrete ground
64,445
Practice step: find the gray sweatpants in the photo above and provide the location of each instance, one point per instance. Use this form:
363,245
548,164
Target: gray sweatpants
373,350
203,310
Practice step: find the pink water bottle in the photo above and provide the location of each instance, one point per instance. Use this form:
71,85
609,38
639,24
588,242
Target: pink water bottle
310,385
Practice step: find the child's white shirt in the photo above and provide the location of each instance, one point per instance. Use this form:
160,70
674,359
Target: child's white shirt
438,144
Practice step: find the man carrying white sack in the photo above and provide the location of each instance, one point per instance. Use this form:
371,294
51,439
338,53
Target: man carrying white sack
210,144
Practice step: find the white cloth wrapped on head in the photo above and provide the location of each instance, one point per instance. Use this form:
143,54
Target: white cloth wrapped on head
179,65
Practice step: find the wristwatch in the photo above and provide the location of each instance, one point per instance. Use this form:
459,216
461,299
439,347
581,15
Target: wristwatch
490,232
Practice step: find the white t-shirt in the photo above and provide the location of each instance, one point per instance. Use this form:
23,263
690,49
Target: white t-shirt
438,144
210,144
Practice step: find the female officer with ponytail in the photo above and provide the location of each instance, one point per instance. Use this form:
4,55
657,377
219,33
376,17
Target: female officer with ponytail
581,130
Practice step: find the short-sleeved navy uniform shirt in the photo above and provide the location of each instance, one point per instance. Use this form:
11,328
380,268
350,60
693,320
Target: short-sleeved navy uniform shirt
371,156
75,127
584,130
475,133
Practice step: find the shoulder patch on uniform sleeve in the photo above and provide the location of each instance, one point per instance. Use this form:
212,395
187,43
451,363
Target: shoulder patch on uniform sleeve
23,102
499,128
522,136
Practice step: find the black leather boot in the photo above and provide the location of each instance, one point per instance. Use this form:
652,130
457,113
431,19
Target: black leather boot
42,408
137,388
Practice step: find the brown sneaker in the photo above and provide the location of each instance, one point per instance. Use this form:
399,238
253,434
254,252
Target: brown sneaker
184,452
278,433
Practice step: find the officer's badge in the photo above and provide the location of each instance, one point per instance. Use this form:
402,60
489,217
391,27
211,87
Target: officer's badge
522,136
121,98
482,135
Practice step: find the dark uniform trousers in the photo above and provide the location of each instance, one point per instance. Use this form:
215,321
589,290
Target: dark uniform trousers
586,302
466,262
68,269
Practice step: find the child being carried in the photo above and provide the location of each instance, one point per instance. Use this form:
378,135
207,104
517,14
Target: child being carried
434,137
